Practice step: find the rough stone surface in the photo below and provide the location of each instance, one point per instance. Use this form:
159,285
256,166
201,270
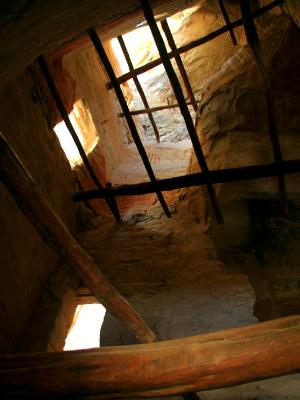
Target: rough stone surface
26,263
294,10
90,83
283,388
52,317
200,63
90,86
168,270
30,28
232,122
167,160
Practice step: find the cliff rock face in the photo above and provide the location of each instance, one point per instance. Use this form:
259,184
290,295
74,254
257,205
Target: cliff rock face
293,7
232,121
232,126
200,63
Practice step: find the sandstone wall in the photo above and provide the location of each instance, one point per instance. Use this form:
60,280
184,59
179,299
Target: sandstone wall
232,122
293,7
200,63
26,263
90,86
29,29
232,126
168,270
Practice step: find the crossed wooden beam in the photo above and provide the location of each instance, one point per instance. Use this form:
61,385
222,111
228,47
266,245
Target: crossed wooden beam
165,58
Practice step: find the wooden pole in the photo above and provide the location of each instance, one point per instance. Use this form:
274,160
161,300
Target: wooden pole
103,57
195,363
35,206
197,42
254,43
200,178
227,20
181,101
139,87
185,79
155,109
64,114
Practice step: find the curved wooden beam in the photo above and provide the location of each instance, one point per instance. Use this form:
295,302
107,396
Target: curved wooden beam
213,360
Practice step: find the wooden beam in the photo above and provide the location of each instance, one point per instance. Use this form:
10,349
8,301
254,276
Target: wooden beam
35,206
64,114
200,178
181,102
173,47
107,65
138,86
155,109
197,42
213,360
227,20
254,44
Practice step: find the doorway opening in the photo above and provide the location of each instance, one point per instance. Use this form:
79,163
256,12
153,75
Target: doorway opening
84,332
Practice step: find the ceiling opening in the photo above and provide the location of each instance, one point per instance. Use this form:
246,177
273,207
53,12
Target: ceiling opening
142,50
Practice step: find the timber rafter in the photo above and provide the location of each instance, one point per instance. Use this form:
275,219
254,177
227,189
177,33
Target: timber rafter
133,130
148,12
173,367
200,178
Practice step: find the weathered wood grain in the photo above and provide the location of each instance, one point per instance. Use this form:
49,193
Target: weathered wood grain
172,367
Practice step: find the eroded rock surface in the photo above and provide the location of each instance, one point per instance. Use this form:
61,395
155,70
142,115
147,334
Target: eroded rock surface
169,271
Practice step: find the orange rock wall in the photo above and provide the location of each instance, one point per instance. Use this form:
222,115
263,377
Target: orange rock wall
26,263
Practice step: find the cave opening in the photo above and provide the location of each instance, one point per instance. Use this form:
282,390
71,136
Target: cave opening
141,50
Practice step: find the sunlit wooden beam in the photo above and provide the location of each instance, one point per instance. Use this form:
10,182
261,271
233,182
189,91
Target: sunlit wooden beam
173,367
